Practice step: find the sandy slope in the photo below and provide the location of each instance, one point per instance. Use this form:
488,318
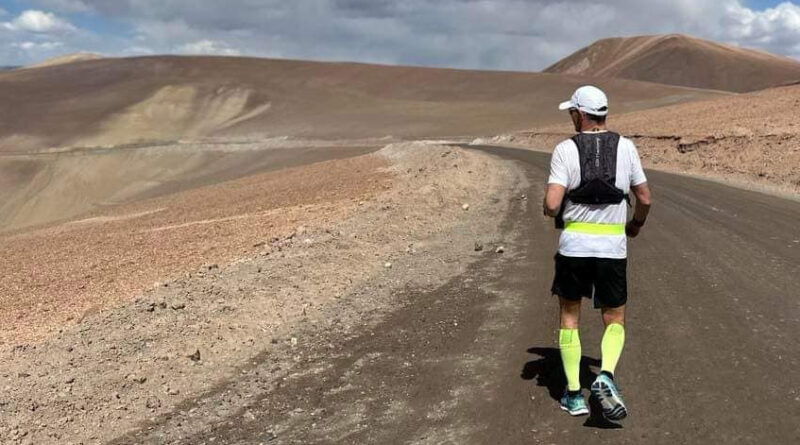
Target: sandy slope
107,371
116,101
681,60
53,277
43,188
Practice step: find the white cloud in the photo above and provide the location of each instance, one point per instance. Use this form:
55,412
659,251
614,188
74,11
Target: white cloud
38,46
208,47
66,6
40,22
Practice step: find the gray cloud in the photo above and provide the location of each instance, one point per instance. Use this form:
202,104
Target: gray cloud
490,34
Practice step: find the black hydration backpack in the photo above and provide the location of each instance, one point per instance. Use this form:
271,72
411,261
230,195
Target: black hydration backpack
598,161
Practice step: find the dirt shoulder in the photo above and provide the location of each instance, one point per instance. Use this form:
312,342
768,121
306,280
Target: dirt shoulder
411,216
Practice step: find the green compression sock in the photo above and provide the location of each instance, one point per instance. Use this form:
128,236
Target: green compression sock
611,347
569,343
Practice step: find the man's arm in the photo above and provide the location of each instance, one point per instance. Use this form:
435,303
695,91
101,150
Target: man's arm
553,198
642,209
556,184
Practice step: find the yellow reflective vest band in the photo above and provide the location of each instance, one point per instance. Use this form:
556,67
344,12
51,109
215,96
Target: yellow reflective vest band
595,228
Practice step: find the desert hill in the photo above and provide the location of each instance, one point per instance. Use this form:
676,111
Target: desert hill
67,58
116,101
681,60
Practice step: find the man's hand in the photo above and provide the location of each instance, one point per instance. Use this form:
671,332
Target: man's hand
632,230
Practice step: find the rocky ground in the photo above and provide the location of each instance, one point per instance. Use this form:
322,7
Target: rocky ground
414,215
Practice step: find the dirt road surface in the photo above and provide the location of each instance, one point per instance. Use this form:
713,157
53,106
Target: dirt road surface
711,355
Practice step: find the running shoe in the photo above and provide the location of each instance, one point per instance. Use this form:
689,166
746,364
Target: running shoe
606,392
575,405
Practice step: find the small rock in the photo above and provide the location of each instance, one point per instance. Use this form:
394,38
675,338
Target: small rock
270,436
173,392
195,357
70,380
178,306
388,265
465,207
500,249
478,247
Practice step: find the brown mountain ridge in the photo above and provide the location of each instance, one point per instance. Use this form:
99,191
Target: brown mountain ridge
107,102
681,60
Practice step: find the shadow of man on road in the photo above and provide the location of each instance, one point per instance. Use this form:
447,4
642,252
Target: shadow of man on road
549,373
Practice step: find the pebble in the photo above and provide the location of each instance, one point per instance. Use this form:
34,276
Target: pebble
178,306
500,249
465,207
388,265
478,247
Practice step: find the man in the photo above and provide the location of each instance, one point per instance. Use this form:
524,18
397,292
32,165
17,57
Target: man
592,174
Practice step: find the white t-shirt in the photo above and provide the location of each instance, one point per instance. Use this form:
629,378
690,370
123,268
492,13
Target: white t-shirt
565,170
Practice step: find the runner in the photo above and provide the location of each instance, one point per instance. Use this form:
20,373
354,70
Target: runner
592,174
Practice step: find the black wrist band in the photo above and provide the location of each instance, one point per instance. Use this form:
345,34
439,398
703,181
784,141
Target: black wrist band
637,223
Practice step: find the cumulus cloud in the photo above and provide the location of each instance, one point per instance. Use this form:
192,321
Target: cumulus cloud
489,34
38,46
65,6
209,47
40,22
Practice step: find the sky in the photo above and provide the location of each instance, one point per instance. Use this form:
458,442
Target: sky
523,35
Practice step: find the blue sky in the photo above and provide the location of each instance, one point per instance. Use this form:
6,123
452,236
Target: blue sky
761,4
484,34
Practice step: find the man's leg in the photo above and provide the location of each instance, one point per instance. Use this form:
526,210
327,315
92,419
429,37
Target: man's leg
569,342
604,389
613,339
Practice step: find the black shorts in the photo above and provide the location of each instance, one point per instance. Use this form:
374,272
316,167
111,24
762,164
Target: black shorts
605,279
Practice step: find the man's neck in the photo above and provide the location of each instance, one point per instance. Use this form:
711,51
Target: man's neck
593,128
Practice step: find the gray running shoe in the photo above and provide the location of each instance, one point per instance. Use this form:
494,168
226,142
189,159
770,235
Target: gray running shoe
606,392
574,405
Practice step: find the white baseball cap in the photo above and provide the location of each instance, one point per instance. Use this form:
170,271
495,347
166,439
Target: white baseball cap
589,99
